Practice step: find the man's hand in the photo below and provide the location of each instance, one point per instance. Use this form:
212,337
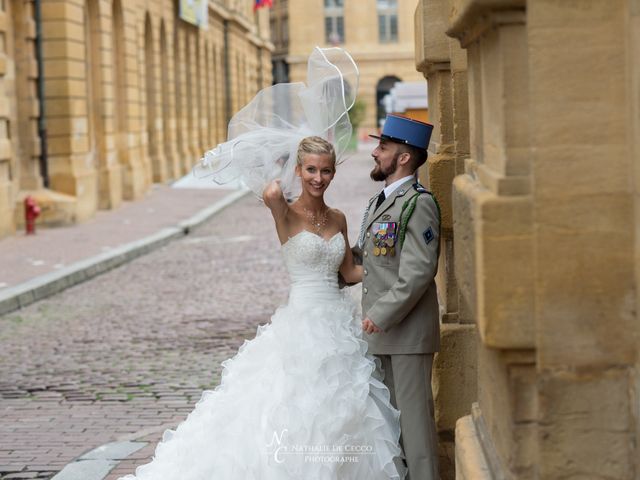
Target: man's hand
369,327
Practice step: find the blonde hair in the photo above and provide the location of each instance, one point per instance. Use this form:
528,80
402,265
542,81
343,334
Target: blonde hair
317,146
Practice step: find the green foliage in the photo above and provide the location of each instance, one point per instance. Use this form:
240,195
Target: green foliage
356,114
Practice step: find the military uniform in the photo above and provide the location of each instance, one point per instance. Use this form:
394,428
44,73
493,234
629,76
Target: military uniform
399,245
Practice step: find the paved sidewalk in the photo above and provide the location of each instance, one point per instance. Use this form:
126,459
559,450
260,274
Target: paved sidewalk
36,266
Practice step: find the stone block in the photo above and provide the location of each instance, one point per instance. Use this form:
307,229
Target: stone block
448,294
585,288
465,191
505,271
441,175
432,45
70,69
62,11
4,19
440,110
496,403
581,169
64,49
61,87
592,59
586,423
5,107
470,460
66,107
67,145
504,83
460,116
455,375
6,150
62,29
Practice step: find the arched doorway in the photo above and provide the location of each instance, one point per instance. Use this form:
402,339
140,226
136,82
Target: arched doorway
383,87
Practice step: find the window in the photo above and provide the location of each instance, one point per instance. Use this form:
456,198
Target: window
387,21
334,21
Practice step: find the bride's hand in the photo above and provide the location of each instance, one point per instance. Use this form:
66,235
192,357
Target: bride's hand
369,327
272,192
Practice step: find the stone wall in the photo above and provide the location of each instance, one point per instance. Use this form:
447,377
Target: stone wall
133,95
544,245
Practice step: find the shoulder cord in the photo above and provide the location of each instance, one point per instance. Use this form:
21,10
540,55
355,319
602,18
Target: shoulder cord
409,206
364,221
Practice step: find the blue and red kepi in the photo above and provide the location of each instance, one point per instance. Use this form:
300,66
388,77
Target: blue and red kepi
406,130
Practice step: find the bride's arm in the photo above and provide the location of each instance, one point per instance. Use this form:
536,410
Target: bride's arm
274,199
351,272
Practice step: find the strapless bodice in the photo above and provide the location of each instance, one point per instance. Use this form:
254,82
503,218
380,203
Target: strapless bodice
313,263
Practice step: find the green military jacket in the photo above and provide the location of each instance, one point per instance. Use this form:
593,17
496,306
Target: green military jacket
398,287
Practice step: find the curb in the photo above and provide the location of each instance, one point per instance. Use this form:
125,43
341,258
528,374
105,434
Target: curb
98,463
49,284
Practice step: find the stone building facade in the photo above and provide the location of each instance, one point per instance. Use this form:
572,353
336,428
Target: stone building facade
132,94
536,162
379,34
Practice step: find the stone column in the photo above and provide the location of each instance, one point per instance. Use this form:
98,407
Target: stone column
544,238
134,177
71,160
634,122
443,64
169,104
586,314
7,163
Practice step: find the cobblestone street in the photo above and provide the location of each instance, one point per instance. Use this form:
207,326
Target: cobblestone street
127,354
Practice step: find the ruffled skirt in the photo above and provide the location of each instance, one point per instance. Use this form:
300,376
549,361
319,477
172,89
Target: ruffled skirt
299,401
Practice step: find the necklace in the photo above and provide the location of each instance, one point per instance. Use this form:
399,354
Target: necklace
318,221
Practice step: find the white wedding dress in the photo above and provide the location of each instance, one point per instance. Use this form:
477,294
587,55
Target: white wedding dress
299,401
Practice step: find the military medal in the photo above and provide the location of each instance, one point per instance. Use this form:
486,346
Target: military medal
384,238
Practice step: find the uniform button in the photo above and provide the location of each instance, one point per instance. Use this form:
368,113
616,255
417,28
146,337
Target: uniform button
364,290
368,234
366,254
366,272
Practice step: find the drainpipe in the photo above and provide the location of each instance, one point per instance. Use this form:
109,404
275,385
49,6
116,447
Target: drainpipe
227,77
42,123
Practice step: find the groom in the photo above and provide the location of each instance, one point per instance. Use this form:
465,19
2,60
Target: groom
399,243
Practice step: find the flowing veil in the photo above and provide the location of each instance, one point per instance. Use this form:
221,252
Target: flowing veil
263,137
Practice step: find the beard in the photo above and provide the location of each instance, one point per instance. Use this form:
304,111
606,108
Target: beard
379,175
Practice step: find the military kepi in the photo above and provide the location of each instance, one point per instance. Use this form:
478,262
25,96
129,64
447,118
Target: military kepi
406,130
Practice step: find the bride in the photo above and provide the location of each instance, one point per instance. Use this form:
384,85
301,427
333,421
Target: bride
299,401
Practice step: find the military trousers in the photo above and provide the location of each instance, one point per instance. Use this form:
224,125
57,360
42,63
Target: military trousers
408,378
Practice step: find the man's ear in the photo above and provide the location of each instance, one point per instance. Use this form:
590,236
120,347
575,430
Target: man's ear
404,158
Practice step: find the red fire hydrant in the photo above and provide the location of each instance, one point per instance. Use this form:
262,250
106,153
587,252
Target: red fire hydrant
31,212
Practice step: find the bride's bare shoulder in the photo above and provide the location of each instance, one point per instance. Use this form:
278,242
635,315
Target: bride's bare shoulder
337,213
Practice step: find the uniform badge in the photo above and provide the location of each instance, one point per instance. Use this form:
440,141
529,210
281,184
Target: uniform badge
386,217
428,235
384,238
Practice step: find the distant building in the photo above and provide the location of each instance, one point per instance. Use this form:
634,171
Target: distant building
134,92
408,99
379,34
